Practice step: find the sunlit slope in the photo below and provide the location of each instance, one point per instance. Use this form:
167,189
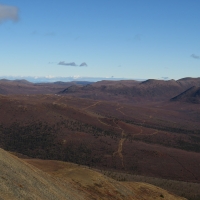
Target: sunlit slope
97,186
19,180
59,180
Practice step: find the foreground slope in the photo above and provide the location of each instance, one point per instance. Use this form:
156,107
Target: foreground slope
19,180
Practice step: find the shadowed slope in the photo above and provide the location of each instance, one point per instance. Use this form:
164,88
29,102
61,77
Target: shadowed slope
192,95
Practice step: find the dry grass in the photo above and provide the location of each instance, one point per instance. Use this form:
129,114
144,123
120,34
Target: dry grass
188,190
98,186
59,180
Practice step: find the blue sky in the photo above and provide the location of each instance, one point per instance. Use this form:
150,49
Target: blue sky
100,38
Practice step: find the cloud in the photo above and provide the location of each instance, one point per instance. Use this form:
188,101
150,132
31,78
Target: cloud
72,64
68,64
83,64
195,56
8,13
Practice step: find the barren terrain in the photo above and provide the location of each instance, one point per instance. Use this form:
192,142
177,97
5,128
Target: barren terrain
138,133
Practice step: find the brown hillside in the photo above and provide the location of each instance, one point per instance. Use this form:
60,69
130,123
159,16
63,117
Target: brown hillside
19,180
192,95
160,140
189,82
126,91
25,87
133,91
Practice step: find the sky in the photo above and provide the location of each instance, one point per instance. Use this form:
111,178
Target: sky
132,39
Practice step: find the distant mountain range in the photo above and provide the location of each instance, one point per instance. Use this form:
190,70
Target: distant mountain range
150,89
127,90
47,79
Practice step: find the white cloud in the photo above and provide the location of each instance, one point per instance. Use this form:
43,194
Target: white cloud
8,13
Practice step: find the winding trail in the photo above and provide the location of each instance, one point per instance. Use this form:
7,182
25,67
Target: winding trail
122,140
119,151
118,109
120,146
57,100
123,136
99,119
91,105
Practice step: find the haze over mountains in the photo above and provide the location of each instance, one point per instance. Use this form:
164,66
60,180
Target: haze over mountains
48,79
